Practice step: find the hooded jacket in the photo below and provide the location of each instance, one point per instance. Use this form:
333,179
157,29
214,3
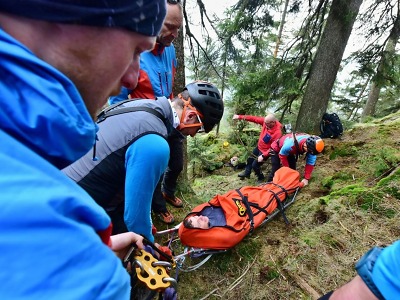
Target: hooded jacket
51,230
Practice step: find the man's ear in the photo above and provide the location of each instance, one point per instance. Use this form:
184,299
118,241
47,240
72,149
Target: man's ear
190,115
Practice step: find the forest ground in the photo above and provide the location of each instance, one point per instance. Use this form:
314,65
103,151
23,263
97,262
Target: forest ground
351,204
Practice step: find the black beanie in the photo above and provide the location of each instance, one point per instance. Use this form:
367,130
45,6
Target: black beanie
141,16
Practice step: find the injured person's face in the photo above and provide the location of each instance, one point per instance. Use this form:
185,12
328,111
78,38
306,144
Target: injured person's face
199,222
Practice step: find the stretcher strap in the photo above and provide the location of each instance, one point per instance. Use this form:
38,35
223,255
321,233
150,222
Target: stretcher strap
279,203
249,211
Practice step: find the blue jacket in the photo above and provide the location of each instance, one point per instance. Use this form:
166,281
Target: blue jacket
51,231
386,271
156,77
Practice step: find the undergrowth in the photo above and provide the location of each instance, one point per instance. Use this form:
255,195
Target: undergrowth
351,204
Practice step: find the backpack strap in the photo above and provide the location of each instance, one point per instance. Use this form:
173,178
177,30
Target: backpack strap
296,143
110,111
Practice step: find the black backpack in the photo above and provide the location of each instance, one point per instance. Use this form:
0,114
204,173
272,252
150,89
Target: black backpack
330,126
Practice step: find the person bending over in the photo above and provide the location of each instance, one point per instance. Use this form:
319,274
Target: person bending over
156,79
132,152
286,150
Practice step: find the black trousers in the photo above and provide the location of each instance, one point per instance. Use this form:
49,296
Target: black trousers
276,163
253,164
168,181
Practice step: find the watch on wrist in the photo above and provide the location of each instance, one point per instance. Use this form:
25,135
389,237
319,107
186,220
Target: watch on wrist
364,269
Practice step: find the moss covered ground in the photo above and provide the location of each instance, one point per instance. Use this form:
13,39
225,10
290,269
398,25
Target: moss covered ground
351,204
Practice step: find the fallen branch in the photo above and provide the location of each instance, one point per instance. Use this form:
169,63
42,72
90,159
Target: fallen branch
348,230
388,173
240,278
210,293
304,285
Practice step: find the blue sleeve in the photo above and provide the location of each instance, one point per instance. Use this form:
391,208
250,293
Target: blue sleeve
123,95
311,159
145,161
286,147
50,245
386,272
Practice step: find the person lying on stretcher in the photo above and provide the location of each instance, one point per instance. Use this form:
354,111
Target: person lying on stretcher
210,217
226,219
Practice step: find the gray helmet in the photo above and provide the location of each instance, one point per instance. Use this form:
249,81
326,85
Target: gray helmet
206,98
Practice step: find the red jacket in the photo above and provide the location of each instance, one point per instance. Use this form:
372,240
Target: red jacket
267,136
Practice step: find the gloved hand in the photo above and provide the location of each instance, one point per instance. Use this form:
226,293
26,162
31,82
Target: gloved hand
260,158
304,182
153,229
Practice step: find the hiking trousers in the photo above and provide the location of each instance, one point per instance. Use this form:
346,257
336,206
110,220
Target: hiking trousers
276,163
253,164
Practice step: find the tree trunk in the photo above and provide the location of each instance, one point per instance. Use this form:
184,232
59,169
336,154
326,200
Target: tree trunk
278,38
179,82
387,55
326,64
179,85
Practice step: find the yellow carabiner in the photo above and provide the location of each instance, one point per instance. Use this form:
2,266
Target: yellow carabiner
151,275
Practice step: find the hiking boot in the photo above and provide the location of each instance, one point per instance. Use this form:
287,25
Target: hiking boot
244,175
261,179
166,217
174,201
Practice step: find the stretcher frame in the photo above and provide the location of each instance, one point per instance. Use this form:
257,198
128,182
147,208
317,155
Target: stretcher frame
180,259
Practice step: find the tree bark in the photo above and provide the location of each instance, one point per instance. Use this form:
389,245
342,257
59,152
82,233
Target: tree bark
326,63
390,48
179,81
179,85
278,38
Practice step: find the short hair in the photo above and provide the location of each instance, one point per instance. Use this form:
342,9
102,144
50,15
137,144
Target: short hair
188,223
178,101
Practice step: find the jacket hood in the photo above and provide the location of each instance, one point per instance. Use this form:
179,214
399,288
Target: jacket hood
41,107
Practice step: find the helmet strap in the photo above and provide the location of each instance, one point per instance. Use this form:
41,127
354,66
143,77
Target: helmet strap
187,104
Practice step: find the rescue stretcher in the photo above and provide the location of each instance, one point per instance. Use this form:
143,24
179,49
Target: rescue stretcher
245,209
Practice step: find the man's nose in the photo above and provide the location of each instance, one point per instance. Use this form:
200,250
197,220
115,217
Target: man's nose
131,76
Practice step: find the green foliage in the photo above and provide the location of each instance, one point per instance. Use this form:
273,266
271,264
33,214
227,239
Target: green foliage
379,160
310,239
244,252
343,150
341,176
327,182
209,153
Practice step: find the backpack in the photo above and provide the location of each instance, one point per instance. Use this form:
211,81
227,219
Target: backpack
110,111
330,126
